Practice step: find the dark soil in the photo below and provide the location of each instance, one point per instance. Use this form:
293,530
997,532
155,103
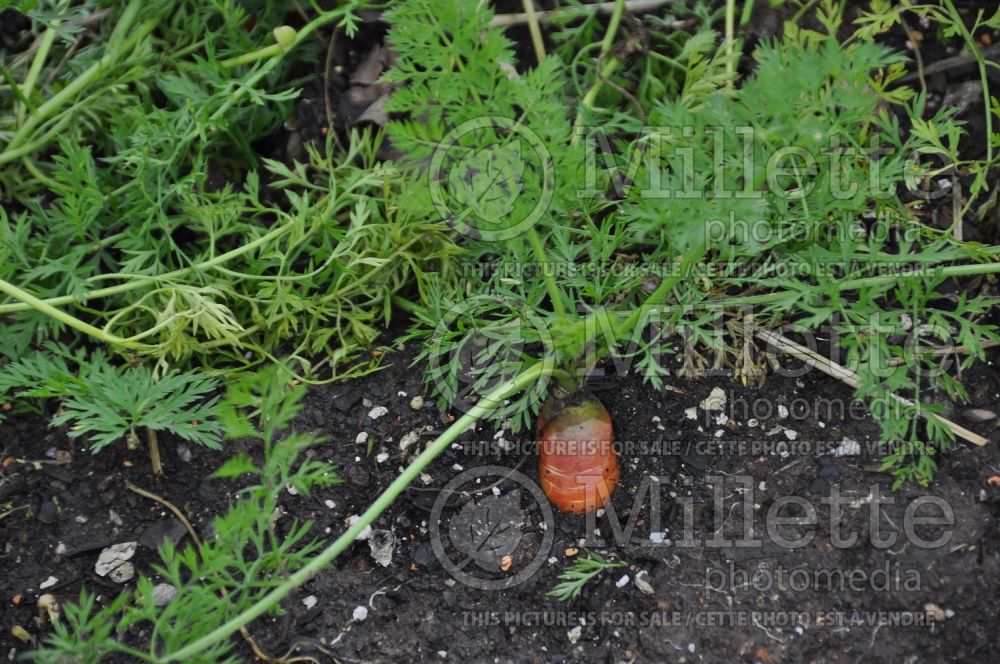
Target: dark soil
711,602
416,611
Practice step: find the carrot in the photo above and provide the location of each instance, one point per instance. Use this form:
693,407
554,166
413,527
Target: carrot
577,463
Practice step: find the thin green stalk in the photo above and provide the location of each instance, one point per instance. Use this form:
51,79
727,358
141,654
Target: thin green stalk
606,72
147,281
981,62
535,29
384,500
41,55
848,285
33,302
730,39
92,73
558,307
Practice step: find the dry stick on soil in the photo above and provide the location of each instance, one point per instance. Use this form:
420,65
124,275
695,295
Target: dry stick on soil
814,359
197,541
946,350
633,6
154,451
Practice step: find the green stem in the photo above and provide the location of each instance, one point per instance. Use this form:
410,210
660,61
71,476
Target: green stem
33,302
147,281
849,285
558,307
606,72
92,73
253,56
730,39
384,500
534,29
36,68
978,55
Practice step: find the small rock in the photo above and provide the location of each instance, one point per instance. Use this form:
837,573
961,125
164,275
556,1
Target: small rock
934,612
782,411
61,549
310,601
691,413
791,434
48,583
361,438
979,415
360,613
171,529
381,544
47,512
847,447
347,400
329,504
114,518
622,582
642,584
163,593
426,479
290,488
184,453
948,613
408,439
417,402
122,573
424,556
715,400
381,457
574,634
377,412
695,461
81,518
113,558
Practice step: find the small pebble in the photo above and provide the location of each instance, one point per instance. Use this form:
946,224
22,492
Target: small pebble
48,583
934,612
361,438
382,457
622,582
163,593
309,601
360,613
184,453
575,634
642,584
377,412
417,402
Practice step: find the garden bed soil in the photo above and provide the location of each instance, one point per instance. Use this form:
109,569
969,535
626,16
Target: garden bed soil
417,612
